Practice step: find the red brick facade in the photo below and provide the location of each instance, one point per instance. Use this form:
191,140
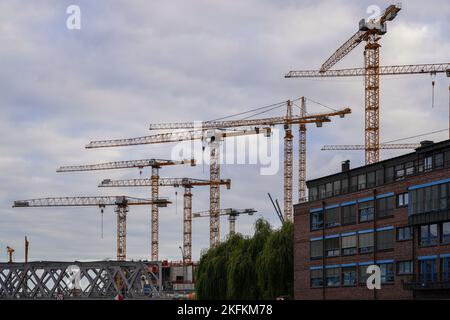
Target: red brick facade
403,250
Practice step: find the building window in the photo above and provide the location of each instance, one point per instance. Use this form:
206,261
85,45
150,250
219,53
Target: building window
371,179
349,276
438,161
361,181
316,249
405,267
366,242
363,274
385,207
409,168
446,232
447,159
428,163
321,189
337,187
332,218
316,278
389,175
404,233
349,245
419,165
316,220
429,235
444,197
332,247
353,183
385,240
366,211
380,177
313,196
445,269
387,272
402,200
344,185
332,277
399,172
348,214
328,190
429,199
427,270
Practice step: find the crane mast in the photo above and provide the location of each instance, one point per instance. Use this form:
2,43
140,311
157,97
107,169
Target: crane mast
302,155
121,204
288,164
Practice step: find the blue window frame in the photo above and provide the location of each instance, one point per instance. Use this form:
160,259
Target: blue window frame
404,233
445,268
316,220
332,277
405,267
316,278
427,270
429,235
349,276
446,232
366,211
387,272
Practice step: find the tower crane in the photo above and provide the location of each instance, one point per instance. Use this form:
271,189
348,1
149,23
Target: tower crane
302,120
121,204
213,138
370,32
231,213
155,164
188,184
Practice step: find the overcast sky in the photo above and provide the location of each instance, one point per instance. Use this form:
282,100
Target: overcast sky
139,62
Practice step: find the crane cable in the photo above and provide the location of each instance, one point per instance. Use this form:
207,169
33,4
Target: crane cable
416,136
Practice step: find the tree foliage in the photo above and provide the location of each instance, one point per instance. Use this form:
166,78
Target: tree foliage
257,267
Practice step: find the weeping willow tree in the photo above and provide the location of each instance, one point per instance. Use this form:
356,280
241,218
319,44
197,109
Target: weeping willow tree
257,267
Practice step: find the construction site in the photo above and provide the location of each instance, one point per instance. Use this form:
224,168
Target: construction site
188,168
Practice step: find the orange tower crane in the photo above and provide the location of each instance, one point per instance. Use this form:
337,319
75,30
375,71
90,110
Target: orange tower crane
213,138
155,164
232,215
370,32
302,120
121,204
187,184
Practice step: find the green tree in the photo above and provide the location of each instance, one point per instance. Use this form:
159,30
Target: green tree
257,267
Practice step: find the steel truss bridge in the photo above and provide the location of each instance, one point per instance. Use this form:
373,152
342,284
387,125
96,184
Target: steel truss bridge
47,280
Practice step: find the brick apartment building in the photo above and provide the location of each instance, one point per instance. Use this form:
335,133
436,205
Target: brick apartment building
394,213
